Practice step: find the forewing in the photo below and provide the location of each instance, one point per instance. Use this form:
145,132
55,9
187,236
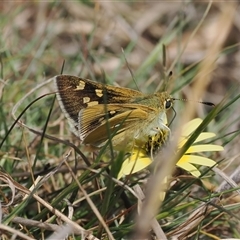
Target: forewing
76,94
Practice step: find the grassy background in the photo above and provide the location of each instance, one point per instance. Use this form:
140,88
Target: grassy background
35,40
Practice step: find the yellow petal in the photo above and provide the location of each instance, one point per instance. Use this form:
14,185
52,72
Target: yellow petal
204,148
197,160
188,167
188,129
204,136
135,163
201,137
191,126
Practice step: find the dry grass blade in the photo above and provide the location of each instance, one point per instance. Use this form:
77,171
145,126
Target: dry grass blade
229,181
198,216
92,205
154,225
34,223
4,178
15,232
163,167
76,228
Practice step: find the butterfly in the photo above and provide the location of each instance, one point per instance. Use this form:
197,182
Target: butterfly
98,112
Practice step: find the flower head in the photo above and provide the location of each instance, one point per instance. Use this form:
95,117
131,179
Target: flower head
138,160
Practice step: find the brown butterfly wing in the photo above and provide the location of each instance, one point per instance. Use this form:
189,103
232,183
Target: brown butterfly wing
75,94
122,120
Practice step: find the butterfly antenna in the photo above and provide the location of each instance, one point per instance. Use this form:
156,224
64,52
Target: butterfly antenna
205,103
130,70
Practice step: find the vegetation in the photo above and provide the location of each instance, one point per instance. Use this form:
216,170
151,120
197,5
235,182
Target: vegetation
54,187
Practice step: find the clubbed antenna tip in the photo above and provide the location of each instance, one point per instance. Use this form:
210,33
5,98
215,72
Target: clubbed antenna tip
205,103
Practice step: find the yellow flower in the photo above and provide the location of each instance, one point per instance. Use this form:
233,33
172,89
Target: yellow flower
140,160
135,163
186,161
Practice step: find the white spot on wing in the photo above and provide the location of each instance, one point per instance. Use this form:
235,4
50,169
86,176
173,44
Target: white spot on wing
81,85
86,99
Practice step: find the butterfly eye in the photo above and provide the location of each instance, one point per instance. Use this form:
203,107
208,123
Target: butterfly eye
168,103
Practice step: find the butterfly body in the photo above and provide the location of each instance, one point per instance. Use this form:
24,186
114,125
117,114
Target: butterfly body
97,112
